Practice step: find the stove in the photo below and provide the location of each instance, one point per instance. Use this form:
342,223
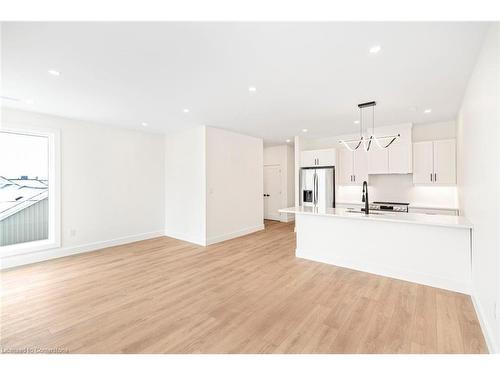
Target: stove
389,206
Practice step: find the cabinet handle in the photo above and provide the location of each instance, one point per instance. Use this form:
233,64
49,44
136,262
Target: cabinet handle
431,177
354,178
435,177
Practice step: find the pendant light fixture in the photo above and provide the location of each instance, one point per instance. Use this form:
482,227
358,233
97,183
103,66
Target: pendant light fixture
381,142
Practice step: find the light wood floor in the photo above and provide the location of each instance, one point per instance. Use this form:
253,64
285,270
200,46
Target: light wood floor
247,295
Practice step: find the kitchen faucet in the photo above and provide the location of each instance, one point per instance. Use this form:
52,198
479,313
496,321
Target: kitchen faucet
365,197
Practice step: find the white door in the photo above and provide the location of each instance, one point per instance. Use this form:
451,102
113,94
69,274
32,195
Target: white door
272,192
378,160
360,169
345,166
445,162
423,170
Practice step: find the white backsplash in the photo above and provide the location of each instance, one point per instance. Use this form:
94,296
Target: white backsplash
400,188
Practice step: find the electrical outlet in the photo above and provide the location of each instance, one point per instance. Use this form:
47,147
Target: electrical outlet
72,232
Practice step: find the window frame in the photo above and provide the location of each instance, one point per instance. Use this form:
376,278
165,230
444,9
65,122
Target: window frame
54,179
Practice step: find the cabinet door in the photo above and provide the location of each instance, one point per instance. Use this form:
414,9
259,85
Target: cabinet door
308,158
445,162
400,155
360,166
344,170
423,171
326,158
378,160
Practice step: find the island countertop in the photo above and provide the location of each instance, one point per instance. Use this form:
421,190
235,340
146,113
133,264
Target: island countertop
412,218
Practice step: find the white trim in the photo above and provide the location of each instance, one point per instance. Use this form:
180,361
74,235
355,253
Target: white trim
212,240
54,191
239,233
488,331
39,256
377,269
185,237
287,218
273,217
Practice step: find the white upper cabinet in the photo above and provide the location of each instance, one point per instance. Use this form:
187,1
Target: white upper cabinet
360,167
400,157
378,160
397,158
434,162
423,164
308,159
353,167
445,162
318,158
345,167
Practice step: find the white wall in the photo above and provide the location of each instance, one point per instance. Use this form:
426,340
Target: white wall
112,184
434,131
283,156
185,190
290,173
234,184
479,179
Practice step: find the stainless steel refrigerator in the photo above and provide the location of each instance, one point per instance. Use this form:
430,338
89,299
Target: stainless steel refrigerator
317,187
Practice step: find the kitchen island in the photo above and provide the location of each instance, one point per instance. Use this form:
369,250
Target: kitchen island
432,250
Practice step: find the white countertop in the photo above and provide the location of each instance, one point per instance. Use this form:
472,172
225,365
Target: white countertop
411,205
423,219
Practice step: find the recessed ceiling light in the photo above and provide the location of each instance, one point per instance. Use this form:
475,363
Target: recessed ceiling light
428,110
252,89
144,123
356,121
29,101
185,110
304,130
413,109
375,49
54,72
288,141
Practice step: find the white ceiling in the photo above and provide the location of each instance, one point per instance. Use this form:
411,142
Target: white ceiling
307,75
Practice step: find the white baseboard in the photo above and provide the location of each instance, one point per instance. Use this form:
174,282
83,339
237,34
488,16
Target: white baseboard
377,269
239,233
185,237
287,218
488,331
40,256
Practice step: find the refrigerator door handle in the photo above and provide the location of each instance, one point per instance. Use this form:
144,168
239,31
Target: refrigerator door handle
316,189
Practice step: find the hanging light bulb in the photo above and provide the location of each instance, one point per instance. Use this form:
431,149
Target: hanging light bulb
364,139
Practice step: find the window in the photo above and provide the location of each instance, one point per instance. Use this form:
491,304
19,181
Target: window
29,191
